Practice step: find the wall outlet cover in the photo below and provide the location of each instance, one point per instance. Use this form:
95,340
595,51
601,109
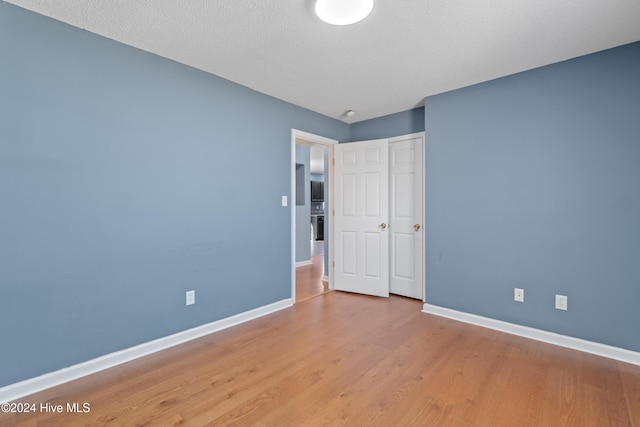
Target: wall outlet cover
518,294
561,302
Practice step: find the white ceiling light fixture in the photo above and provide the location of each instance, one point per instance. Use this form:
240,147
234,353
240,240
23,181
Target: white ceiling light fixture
343,12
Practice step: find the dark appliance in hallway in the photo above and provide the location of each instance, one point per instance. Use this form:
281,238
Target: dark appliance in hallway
317,221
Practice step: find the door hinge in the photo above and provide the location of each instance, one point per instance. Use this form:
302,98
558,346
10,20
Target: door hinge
333,162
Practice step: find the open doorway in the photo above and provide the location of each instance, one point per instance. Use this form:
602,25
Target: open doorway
311,224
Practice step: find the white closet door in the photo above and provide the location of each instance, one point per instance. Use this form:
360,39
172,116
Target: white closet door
361,217
406,206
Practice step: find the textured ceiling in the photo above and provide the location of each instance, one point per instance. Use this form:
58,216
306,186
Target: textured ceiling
405,50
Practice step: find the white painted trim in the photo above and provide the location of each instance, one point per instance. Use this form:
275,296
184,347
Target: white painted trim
310,137
328,256
303,263
52,379
407,136
329,143
292,214
424,217
325,279
598,349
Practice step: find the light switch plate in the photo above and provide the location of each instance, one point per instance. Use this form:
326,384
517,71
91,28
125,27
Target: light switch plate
191,297
284,201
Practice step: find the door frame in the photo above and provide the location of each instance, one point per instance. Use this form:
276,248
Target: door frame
328,221
330,143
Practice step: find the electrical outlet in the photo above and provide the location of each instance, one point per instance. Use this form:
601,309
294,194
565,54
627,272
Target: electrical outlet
518,295
561,302
191,297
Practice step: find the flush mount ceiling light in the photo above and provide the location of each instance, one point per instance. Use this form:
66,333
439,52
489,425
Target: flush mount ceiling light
343,12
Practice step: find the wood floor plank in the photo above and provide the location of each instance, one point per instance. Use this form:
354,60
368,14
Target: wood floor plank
561,397
309,282
631,384
521,399
345,359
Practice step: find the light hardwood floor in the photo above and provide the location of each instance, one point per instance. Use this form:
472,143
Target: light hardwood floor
352,360
309,282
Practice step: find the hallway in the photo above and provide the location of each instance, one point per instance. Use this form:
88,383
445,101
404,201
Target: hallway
309,282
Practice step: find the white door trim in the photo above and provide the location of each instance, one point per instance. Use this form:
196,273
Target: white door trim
328,142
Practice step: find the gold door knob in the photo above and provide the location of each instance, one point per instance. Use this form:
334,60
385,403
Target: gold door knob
383,225
416,227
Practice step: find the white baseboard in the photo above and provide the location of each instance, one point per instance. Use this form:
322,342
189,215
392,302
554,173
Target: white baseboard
537,334
325,278
303,263
52,379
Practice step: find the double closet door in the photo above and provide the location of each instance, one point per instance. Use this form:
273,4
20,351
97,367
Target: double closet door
378,214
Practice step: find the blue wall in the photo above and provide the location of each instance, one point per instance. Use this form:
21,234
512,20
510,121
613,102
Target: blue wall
125,180
303,212
403,123
533,181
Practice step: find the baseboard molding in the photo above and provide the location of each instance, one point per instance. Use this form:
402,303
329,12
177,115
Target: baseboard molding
303,263
52,379
603,350
325,278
